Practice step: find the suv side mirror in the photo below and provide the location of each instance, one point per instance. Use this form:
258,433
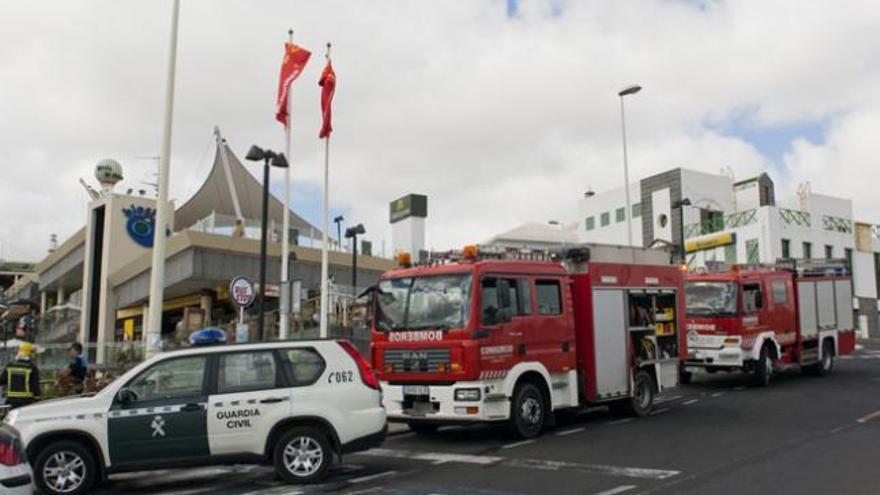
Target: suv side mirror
125,396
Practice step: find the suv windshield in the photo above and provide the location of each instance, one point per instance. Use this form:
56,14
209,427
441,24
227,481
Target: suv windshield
710,298
440,301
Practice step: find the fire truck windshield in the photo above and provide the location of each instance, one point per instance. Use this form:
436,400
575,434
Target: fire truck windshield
710,298
439,301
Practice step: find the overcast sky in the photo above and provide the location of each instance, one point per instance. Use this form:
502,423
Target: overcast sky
501,112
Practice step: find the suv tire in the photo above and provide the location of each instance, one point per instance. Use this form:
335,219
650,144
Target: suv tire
65,468
527,411
302,455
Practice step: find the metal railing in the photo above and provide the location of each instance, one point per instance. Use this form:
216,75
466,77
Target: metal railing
795,217
719,223
837,224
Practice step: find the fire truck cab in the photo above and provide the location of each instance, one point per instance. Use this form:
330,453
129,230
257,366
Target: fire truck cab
762,319
515,340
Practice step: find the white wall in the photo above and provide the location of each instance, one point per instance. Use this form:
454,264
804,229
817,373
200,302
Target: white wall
661,205
709,191
609,202
408,235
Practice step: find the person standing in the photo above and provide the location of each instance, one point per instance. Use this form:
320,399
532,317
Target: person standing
77,368
22,378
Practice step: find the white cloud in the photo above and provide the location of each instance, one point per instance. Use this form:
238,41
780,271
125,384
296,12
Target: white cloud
498,120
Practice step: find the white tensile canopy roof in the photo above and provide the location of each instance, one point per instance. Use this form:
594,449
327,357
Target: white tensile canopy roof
220,191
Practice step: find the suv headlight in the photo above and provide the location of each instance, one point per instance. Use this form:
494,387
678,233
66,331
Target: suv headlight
11,417
467,394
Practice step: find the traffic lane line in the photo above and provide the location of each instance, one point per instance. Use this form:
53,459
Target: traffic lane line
545,465
657,412
619,421
371,477
518,444
868,417
619,489
569,432
689,402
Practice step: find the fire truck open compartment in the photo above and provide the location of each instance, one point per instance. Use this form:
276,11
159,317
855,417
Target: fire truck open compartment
635,320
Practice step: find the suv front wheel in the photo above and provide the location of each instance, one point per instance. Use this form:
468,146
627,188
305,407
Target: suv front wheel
302,455
65,468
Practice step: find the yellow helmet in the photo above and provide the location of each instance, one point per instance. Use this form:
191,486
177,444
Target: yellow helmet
26,349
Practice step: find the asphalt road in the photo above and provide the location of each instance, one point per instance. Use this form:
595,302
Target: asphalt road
802,435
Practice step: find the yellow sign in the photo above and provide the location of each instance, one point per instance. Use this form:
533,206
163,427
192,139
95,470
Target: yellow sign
128,329
709,242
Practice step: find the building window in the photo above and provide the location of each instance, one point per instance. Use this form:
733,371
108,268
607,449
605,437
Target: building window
591,223
605,219
849,259
620,215
877,271
730,253
636,210
829,252
808,250
786,249
753,254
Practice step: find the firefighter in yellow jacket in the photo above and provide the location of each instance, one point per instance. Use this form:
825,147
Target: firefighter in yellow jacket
21,378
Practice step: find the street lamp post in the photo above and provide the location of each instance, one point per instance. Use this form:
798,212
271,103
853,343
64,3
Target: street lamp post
268,157
624,92
680,204
338,221
352,233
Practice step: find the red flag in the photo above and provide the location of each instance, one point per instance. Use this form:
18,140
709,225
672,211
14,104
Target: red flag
328,88
295,59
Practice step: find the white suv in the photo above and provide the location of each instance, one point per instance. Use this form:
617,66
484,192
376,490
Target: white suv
295,404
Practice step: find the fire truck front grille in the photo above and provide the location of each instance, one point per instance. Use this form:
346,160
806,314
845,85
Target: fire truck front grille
416,360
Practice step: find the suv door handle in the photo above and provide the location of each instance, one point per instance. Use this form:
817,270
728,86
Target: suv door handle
271,400
191,407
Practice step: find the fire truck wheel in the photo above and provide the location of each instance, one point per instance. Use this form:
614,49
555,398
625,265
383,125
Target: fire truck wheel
826,364
527,411
764,367
685,377
423,428
642,400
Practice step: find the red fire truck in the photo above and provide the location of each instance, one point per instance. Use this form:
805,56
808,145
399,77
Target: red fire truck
514,341
764,319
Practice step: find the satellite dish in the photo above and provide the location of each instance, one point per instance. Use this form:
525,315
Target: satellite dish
108,172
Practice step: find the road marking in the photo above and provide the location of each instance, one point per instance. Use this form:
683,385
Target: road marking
619,489
661,400
435,457
484,460
845,357
662,410
738,389
371,477
517,444
717,394
689,402
619,421
869,417
620,471
569,432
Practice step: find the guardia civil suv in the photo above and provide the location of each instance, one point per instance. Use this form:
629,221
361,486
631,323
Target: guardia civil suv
295,404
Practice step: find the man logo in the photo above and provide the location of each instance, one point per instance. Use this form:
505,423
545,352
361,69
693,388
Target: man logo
158,426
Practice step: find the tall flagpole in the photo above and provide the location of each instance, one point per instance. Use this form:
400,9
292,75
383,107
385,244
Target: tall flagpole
284,331
153,329
324,226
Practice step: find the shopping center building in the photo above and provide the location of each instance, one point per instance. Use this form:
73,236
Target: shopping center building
99,277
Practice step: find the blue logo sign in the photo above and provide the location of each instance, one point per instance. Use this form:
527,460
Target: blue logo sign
141,224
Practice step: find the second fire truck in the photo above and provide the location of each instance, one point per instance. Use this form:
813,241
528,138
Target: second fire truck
514,341
762,319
